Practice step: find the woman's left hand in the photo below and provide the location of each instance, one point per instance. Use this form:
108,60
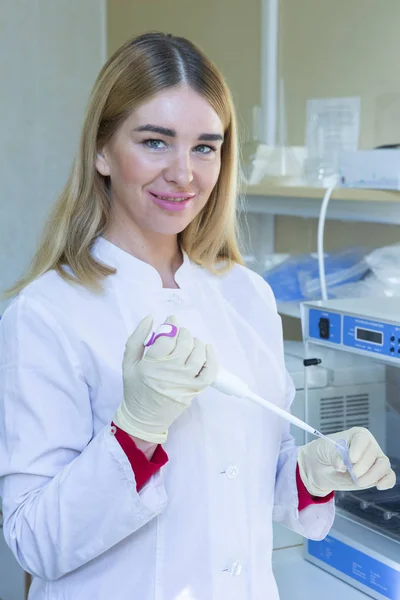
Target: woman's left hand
322,469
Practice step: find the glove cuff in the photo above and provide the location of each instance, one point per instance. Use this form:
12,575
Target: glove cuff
124,420
307,478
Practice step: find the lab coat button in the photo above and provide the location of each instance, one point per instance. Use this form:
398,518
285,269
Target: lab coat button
235,569
176,298
113,430
232,472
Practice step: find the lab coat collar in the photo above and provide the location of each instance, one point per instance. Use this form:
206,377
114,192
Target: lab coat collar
131,268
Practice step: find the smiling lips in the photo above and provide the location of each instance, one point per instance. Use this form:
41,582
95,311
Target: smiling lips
171,202
170,197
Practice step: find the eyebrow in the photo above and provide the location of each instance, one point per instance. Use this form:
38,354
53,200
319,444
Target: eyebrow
204,137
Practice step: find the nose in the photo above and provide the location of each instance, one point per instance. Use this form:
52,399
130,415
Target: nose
180,170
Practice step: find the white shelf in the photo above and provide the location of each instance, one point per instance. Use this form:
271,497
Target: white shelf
376,206
307,581
290,309
342,194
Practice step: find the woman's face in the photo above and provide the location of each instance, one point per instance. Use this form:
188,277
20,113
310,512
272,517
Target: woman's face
163,162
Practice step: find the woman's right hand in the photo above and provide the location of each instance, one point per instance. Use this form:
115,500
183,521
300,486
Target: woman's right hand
160,384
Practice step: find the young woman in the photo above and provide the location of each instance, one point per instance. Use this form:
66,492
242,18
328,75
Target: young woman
124,474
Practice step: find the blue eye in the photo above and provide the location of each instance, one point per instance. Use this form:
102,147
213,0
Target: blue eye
204,149
154,144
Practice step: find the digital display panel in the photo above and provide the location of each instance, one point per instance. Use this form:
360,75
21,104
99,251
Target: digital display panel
367,335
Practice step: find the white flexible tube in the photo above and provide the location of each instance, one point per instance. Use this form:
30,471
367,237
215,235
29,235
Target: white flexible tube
320,242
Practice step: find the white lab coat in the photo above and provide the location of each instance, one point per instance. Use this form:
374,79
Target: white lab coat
201,528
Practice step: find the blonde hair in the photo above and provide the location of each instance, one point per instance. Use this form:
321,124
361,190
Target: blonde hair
141,68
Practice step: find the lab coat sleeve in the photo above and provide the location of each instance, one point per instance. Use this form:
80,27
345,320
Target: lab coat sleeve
314,521
67,496
142,467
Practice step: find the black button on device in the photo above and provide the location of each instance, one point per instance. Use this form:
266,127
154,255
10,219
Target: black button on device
324,328
308,362
392,338
391,349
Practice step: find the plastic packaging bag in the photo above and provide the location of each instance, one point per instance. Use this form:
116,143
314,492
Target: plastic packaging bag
385,264
297,278
383,279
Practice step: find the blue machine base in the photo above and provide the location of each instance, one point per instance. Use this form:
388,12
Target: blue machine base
358,566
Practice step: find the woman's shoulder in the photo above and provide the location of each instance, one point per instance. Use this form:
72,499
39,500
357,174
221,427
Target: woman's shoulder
54,287
242,282
48,293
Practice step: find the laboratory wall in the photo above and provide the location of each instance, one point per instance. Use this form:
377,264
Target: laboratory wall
342,48
228,31
333,49
50,55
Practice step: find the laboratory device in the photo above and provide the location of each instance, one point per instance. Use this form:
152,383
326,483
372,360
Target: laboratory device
377,169
363,547
344,390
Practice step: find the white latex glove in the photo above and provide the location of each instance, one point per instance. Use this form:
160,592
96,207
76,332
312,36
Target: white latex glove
322,469
160,384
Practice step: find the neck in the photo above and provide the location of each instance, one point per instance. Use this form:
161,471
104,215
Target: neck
160,251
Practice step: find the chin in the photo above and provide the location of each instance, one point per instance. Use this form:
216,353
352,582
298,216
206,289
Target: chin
171,226
168,230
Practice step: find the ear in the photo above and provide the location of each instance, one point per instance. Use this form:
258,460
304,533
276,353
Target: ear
102,164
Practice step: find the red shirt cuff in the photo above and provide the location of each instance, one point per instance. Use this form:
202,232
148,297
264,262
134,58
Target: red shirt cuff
305,498
142,467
